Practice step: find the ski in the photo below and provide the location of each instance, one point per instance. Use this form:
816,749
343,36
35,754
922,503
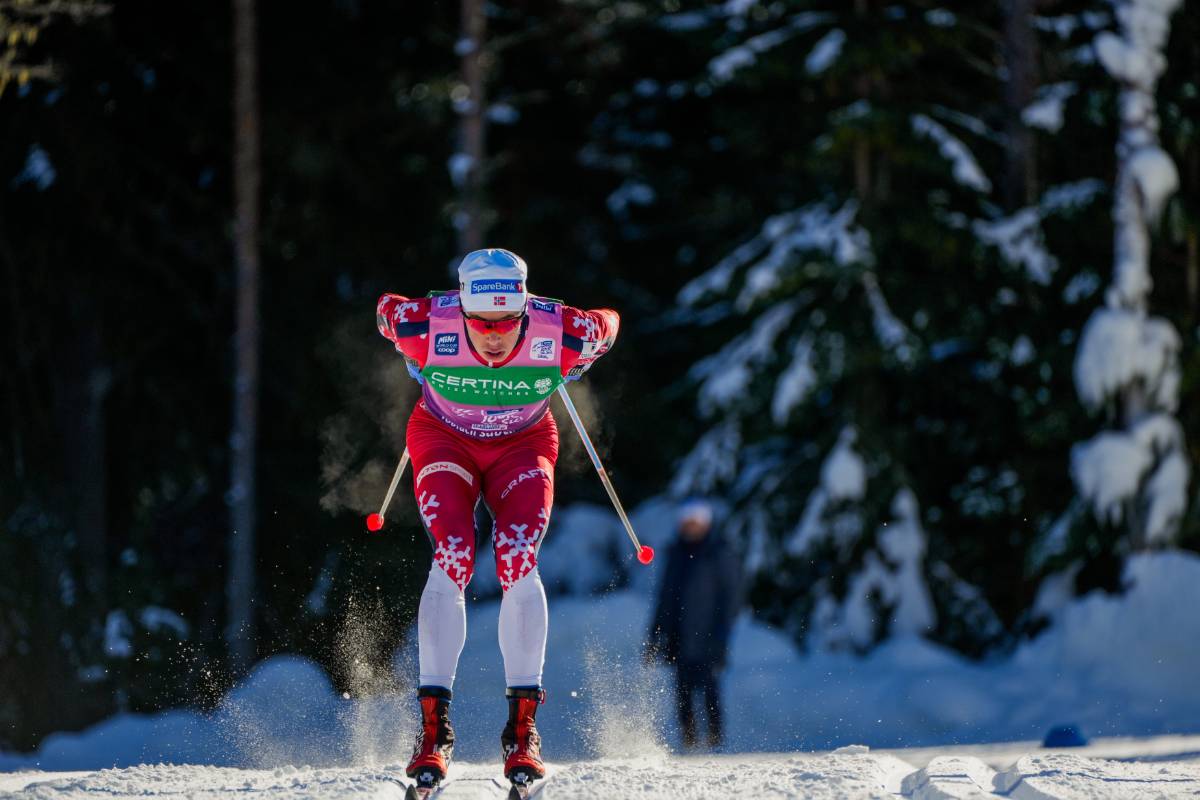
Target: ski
520,791
415,792
522,785
426,787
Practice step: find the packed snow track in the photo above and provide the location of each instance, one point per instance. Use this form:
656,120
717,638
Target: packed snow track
852,772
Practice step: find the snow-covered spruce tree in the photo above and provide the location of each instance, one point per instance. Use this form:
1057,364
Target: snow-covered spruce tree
863,325
901,304
1133,475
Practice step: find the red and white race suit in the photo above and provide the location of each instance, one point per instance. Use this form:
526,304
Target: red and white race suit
513,473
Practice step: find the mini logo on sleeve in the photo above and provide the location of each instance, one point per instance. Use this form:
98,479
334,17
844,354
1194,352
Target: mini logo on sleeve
447,301
446,344
542,349
493,286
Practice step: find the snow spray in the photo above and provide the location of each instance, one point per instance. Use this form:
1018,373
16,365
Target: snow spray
627,714
376,703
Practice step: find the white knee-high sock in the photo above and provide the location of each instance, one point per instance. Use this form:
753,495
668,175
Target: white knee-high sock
441,629
524,620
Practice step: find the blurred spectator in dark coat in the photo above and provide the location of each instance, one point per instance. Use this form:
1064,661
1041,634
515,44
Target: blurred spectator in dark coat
698,599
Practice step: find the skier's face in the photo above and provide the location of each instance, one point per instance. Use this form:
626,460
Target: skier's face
491,343
693,529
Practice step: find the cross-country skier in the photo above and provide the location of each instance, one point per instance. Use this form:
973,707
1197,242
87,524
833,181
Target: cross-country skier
488,357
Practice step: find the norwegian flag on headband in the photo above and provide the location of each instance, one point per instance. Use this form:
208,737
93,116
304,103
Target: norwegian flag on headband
500,300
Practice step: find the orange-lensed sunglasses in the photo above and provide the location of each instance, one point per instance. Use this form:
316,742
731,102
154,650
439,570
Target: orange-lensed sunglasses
498,326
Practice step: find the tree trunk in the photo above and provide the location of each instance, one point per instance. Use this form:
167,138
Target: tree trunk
1020,59
239,587
472,127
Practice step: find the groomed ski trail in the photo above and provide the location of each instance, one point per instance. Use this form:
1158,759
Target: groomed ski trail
853,772
482,782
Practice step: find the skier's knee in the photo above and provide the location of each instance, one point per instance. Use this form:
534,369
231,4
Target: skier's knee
440,582
521,581
516,545
513,565
456,556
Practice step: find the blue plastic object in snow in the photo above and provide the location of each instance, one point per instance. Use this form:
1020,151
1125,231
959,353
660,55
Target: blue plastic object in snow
1064,736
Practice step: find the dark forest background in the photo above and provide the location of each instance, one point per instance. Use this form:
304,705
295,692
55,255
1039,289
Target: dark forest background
620,166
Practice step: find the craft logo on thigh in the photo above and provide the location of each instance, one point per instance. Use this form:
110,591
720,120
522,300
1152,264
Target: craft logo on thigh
445,466
524,476
542,349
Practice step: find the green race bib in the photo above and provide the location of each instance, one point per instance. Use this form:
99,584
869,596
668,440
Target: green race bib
498,388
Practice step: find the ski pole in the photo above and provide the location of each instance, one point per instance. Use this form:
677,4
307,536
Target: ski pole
375,521
645,553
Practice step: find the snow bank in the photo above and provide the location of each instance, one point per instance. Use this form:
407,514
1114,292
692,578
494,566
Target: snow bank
850,773
1113,665
285,712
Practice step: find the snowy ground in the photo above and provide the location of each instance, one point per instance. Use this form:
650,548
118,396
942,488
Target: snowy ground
1171,769
1114,666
